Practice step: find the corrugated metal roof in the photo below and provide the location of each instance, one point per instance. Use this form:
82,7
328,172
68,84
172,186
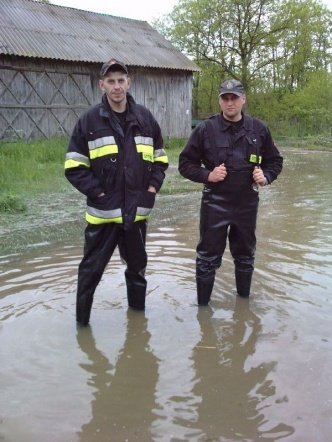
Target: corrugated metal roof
34,29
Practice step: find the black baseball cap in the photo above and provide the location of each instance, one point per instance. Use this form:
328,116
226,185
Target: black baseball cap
232,87
113,65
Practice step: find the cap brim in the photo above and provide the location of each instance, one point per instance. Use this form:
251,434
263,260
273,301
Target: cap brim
239,94
112,68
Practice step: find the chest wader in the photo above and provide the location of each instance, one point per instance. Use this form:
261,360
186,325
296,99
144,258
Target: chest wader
100,243
228,211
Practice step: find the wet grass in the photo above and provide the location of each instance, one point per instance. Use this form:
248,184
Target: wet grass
316,142
38,205
29,171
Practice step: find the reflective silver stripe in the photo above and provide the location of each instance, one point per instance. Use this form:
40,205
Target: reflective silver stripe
78,157
99,142
106,214
159,153
144,140
143,211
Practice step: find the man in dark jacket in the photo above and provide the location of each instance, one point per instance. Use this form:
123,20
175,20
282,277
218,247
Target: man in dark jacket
233,155
116,158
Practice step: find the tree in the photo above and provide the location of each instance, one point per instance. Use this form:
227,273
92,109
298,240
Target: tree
248,39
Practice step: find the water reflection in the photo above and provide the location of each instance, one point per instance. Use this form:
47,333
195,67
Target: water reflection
123,393
231,388
235,371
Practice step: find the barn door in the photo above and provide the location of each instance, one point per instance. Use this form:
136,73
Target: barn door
37,104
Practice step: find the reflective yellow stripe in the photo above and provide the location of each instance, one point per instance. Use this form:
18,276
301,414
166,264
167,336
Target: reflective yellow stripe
160,156
102,146
95,220
97,216
140,218
70,164
146,151
163,159
75,159
144,148
144,211
102,151
100,142
144,140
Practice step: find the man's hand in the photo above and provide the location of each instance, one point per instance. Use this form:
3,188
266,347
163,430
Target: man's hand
152,189
218,174
258,176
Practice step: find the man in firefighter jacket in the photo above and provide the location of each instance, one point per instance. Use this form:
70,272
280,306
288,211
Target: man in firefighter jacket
116,158
233,155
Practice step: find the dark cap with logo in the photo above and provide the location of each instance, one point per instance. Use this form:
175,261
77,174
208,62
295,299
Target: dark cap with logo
113,65
232,87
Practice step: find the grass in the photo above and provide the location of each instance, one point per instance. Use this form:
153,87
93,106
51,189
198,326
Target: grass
29,170
317,142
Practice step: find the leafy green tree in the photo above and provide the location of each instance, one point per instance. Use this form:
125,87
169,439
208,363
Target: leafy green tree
305,45
233,34
272,46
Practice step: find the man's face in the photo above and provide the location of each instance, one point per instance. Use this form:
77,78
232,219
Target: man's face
116,85
231,106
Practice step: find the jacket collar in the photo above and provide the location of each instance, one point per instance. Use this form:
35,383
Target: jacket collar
246,122
106,110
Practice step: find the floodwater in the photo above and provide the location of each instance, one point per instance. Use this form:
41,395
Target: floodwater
239,370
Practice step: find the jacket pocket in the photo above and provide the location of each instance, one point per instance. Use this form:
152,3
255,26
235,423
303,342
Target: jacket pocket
146,199
109,201
221,153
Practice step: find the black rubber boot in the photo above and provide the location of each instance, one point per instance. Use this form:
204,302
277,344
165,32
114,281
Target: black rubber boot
243,282
204,290
83,308
86,286
136,290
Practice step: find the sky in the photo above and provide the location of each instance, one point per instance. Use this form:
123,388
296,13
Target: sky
147,10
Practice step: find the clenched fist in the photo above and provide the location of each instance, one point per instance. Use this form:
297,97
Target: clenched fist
258,176
218,174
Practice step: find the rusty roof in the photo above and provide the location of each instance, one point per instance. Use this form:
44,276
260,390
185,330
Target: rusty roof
34,29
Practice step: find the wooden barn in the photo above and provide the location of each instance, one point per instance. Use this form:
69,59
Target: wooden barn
50,57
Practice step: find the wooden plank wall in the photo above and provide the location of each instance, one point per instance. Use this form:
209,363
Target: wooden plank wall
168,94
43,99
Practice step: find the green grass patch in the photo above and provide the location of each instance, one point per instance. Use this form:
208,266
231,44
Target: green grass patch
28,170
317,142
10,203
31,168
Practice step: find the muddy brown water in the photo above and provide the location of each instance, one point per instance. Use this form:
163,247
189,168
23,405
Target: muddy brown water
257,370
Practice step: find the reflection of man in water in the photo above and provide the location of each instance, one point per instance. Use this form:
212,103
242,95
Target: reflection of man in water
122,408
231,392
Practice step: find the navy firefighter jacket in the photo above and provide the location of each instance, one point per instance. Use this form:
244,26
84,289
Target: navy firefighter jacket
240,147
102,158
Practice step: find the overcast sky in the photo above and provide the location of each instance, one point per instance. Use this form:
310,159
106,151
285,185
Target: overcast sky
147,10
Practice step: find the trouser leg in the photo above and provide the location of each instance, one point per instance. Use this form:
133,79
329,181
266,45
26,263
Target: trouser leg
132,251
100,242
242,244
211,246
